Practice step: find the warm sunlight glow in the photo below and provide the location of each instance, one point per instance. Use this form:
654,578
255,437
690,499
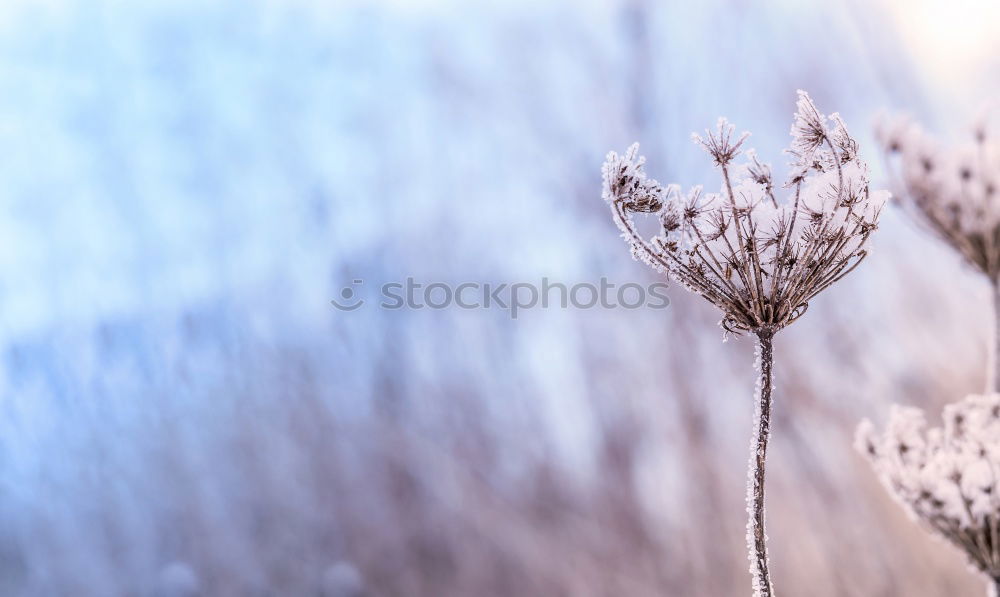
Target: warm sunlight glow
955,42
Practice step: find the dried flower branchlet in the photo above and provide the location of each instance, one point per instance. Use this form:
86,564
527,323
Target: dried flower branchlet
759,260
956,193
947,478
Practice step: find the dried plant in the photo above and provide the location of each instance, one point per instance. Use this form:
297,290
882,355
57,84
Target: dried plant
946,478
953,191
759,261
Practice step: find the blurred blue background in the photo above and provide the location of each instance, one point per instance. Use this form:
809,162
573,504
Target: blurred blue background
187,185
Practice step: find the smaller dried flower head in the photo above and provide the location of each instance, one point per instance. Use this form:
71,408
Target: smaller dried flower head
758,260
625,179
946,478
808,129
955,190
719,143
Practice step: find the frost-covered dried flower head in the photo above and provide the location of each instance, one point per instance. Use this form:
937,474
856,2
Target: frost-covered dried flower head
630,186
948,478
758,260
955,191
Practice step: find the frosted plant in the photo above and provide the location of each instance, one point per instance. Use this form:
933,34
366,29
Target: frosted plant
954,192
758,260
946,478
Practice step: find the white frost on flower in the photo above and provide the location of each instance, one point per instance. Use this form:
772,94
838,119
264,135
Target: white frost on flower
625,179
947,478
809,131
719,143
953,190
757,259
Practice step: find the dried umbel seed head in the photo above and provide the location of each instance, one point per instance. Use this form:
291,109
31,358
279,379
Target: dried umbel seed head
952,190
758,260
946,478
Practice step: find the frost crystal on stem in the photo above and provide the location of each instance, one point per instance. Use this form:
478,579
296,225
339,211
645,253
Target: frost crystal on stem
947,478
756,535
758,260
954,192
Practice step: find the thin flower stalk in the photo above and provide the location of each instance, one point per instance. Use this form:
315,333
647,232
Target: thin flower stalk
760,261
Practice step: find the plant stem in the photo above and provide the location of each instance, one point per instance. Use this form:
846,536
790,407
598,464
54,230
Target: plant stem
756,535
993,375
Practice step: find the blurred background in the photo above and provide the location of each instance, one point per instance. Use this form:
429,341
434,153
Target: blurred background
186,186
